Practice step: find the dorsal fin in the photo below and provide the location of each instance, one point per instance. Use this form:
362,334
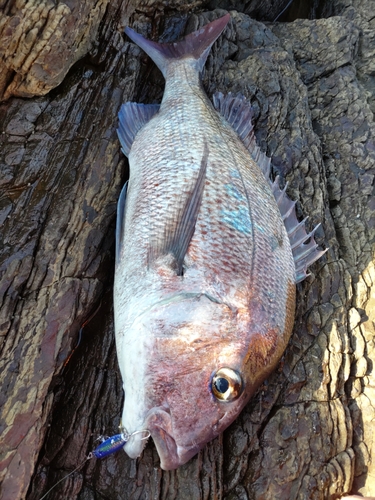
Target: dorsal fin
196,45
304,253
238,113
132,117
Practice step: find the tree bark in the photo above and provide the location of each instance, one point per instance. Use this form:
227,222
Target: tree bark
309,431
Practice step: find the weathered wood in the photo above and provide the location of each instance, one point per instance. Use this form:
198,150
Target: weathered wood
40,40
309,432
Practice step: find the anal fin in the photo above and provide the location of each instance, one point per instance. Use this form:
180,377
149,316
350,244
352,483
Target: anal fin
132,117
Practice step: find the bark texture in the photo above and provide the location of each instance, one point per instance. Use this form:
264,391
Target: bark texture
309,431
41,39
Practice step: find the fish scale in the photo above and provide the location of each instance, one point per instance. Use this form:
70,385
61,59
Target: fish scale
205,275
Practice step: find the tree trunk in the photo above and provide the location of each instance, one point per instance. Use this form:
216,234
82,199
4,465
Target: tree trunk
66,68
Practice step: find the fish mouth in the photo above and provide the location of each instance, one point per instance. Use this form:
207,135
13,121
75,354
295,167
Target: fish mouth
172,456
158,424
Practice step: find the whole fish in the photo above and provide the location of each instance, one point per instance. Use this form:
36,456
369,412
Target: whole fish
208,254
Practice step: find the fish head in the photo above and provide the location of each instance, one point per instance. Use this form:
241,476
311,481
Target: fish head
187,375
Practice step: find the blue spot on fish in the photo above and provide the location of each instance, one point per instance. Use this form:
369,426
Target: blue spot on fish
239,219
233,192
235,174
260,228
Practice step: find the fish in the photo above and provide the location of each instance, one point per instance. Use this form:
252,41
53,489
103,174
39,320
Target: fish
208,254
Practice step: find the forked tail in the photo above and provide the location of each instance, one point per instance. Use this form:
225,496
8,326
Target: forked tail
196,45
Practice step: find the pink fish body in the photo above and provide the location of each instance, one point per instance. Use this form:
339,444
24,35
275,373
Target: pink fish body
206,267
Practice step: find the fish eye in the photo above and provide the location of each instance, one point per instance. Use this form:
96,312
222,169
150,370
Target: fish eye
226,384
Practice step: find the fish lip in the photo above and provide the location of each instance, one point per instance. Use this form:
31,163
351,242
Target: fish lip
159,424
172,456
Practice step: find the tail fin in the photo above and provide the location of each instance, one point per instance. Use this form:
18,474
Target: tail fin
196,45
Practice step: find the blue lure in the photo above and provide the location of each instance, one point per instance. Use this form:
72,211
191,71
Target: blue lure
115,443
110,445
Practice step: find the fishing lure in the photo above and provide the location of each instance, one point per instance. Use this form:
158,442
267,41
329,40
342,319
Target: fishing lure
115,443
110,445
106,447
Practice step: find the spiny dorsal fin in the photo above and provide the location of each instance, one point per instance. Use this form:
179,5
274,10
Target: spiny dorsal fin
196,45
304,254
132,117
238,113
180,230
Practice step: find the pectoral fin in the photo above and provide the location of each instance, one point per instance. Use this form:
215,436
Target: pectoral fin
179,230
120,221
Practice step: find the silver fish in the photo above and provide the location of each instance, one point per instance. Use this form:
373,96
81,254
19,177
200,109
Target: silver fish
208,254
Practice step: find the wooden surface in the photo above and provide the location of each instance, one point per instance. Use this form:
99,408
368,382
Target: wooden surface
309,432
